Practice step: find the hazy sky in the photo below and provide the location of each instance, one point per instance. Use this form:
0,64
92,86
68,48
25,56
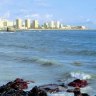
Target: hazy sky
74,12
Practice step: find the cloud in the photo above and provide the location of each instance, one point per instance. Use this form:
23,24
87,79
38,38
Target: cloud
34,16
48,16
5,2
88,20
24,10
41,3
6,15
40,17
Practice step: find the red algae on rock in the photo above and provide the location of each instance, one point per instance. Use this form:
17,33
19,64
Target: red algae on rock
79,83
19,84
16,88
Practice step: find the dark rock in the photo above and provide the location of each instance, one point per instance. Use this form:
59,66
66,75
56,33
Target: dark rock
85,94
5,87
13,92
53,88
63,85
37,92
77,92
19,84
14,88
79,83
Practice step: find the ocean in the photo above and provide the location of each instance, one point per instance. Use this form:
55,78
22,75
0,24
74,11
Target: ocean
48,56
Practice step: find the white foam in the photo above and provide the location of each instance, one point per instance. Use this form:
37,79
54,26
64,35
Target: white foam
6,32
61,94
86,89
80,75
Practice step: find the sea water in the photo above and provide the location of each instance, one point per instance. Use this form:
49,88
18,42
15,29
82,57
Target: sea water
48,56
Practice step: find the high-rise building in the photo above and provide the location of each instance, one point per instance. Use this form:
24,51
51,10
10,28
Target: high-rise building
1,23
61,26
27,23
18,23
35,24
57,24
6,23
52,24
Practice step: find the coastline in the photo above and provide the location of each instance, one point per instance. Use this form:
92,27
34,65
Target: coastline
16,30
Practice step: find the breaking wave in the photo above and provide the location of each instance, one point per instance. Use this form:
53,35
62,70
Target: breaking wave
69,77
38,60
80,75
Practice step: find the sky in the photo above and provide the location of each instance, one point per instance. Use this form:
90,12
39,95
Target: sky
69,12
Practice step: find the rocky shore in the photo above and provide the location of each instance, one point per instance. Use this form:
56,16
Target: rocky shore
18,86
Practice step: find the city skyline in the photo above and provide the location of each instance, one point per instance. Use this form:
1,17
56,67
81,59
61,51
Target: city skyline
28,24
74,12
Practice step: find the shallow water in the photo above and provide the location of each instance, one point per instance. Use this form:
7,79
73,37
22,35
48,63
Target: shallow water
48,56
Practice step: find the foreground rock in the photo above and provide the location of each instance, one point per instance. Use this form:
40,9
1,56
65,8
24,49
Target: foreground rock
37,92
53,88
79,83
16,88
77,92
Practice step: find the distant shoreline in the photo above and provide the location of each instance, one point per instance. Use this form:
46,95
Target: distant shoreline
17,30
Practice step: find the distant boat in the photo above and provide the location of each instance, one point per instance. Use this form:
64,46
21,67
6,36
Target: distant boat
10,29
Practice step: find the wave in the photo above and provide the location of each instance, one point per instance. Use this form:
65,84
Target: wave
46,62
80,75
87,52
87,89
69,77
21,46
7,32
80,52
38,60
77,63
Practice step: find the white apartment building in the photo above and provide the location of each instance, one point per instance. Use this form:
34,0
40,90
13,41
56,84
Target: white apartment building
57,24
52,24
19,23
35,24
27,24
6,23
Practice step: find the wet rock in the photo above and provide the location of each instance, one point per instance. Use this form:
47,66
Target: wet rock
79,83
85,94
14,88
36,91
77,92
13,92
53,88
19,84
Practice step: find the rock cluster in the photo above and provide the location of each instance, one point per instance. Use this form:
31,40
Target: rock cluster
79,83
16,88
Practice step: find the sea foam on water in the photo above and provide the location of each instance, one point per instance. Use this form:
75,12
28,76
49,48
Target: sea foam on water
61,94
80,75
